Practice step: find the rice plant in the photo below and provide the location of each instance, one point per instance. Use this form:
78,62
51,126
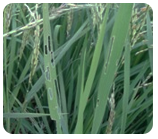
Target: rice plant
77,68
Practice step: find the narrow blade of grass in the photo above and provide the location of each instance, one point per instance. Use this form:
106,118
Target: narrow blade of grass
149,126
24,115
50,71
126,88
92,72
119,33
150,40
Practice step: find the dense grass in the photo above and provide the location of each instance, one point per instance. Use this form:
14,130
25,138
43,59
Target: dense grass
78,69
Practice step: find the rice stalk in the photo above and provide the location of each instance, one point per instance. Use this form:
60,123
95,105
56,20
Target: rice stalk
69,22
57,13
70,91
7,16
147,78
25,38
137,23
97,14
34,60
144,50
112,113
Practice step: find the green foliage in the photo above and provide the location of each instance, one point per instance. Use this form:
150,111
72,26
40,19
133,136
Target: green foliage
78,68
